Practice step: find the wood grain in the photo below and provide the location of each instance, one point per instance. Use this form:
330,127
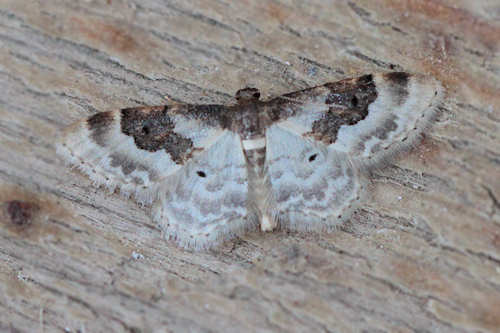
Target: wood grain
423,254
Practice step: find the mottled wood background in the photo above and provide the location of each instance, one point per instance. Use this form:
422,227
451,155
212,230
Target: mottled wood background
422,255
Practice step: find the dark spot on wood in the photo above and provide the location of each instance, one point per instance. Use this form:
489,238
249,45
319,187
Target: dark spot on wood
201,174
349,100
21,213
98,126
312,157
107,34
153,130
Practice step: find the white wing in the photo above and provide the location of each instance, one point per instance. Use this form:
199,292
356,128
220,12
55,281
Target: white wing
322,138
206,202
180,158
396,119
313,188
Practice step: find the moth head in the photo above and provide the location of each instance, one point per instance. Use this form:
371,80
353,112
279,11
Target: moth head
246,95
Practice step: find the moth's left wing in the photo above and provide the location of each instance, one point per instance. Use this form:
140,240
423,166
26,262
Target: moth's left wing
135,149
367,118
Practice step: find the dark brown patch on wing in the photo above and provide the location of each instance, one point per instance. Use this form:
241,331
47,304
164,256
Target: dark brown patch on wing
128,166
400,78
388,126
153,129
121,161
348,102
352,93
98,125
247,95
382,133
398,85
209,114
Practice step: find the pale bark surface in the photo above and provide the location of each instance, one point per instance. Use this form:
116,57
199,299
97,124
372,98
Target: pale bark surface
423,254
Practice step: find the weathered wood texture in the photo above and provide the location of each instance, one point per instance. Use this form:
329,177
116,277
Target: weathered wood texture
422,255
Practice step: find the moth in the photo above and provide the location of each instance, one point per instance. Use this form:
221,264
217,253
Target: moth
298,161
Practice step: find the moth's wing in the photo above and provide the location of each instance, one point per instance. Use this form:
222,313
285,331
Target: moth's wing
368,118
207,201
312,187
135,149
345,125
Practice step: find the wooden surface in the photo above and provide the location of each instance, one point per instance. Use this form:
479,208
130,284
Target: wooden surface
423,254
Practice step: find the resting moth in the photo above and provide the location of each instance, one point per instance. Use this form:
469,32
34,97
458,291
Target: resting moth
214,172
